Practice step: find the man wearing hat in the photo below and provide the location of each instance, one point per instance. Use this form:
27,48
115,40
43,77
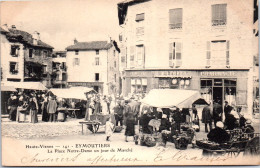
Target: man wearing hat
12,106
218,134
227,108
118,111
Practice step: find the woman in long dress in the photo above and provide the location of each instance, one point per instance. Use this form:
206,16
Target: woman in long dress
130,121
33,106
45,115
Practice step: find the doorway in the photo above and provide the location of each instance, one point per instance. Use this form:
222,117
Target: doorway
96,88
218,94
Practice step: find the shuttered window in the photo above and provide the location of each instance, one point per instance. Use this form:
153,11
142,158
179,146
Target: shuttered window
139,17
219,14
175,18
76,62
218,53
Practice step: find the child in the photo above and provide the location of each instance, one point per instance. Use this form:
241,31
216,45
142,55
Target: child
109,128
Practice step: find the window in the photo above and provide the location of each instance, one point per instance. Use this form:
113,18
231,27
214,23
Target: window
132,56
15,50
219,14
175,18
114,52
76,62
76,52
97,52
175,54
123,59
45,54
120,37
97,61
115,64
138,85
139,17
96,76
139,31
30,53
140,55
115,77
63,65
13,67
218,53
44,69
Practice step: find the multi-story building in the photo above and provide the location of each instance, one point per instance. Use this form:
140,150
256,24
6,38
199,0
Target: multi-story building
94,64
184,44
24,57
12,56
59,69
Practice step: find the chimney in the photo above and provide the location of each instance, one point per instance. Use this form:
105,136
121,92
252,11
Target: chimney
75,41
36,37
13,27
5,27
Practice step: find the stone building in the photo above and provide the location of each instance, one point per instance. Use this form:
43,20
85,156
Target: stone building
184,44
94,64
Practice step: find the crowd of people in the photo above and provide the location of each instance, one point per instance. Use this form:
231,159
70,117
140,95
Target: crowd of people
227,119
25,106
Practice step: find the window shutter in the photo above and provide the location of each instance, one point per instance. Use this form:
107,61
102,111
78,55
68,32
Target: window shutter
208,53
227,53
170,51
16,66
178,54
132,56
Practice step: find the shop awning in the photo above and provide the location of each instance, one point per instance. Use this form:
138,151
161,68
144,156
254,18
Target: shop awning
167,98
71,93
26,85
8,88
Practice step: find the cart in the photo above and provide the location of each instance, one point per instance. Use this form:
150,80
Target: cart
96,120
239,142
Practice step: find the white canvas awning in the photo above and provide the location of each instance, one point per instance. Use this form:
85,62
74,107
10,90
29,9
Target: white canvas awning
25,85
8,88
167,98
71,93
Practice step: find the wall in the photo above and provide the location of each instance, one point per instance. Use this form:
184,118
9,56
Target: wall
85,72
196,31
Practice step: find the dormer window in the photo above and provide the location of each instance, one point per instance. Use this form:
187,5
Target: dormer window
139,17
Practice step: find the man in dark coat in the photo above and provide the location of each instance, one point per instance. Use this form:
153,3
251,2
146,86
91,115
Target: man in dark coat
118,110
144,121
177,117
207,117
217,112
12,106
218,134
227,108
230,122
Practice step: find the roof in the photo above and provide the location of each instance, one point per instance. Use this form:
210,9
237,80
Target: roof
2,30
92,45
26,38
123,7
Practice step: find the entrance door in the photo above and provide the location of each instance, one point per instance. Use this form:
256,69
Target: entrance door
218,94
96,88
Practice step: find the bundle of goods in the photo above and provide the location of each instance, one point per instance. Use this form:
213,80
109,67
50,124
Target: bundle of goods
181,142
118,129
145,140
185,126
166,136
205,144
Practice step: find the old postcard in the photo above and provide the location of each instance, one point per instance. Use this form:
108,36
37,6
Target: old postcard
129,82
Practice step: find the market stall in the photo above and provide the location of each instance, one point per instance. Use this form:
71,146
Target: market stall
25,85
165,99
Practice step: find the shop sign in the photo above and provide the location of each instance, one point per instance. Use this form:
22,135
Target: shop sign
172,74
218,73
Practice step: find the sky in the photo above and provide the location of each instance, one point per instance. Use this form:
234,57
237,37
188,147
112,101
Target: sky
59,22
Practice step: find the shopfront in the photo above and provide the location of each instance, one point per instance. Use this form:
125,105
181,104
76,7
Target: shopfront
222,85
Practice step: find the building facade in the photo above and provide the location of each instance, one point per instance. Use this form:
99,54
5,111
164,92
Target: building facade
24,57
94,64
59,69
184,44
